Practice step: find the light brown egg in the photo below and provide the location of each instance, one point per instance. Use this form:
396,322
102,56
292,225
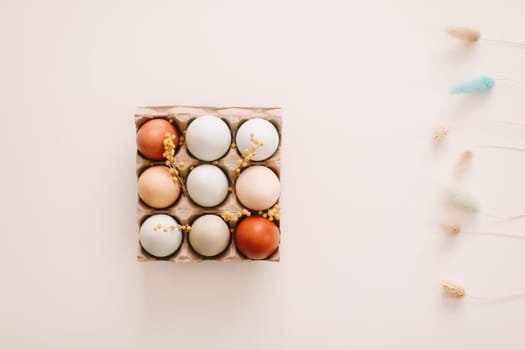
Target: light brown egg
157,188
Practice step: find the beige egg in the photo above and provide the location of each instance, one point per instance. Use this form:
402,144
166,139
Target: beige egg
209,235
157,188
258,188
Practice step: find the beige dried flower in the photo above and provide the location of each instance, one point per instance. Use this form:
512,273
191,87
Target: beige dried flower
451,228
465,159
469,35
440,133
453,289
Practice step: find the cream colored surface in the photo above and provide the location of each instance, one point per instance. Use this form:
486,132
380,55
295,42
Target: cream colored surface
363,86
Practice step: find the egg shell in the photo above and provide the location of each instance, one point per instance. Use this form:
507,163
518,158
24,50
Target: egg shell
262,130
151,135
209,235
156,187
258,187
208,138
256,237
160,236
207,185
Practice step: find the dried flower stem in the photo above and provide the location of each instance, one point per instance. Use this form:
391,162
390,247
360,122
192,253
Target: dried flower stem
169,154
273,214
458,291
472,35
248,154
455,229
171,228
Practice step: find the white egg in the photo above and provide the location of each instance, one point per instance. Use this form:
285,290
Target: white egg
208,138
160,236
207,185
263,131
209,235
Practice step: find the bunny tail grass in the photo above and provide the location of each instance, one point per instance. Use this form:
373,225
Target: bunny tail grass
440,133
462,199
469,35
453,229
453,289
480,84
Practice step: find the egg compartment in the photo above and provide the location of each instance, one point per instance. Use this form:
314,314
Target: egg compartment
184,209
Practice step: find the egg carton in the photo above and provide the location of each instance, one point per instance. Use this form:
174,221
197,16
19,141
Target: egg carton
184,209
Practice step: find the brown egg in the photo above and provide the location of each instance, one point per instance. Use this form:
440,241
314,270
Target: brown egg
257,237
157,188
150,138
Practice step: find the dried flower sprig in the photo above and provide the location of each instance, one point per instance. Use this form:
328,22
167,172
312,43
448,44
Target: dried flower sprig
465,201
186,228
466,156
169,154
453,289
462,199
160,227
171,228
248,153
440,133
469,35
481,84
464,160
453,229
274,213
229,216
456,229
458,291
472,35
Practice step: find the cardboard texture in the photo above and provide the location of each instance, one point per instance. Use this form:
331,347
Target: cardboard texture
184,210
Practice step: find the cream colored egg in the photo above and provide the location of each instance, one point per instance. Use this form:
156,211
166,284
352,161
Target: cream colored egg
160,236
209,235
262,130
258,187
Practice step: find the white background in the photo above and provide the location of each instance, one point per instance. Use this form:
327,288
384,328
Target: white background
362,84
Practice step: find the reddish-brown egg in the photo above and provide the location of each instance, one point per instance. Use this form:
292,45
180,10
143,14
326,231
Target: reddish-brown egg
151,135
257,237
